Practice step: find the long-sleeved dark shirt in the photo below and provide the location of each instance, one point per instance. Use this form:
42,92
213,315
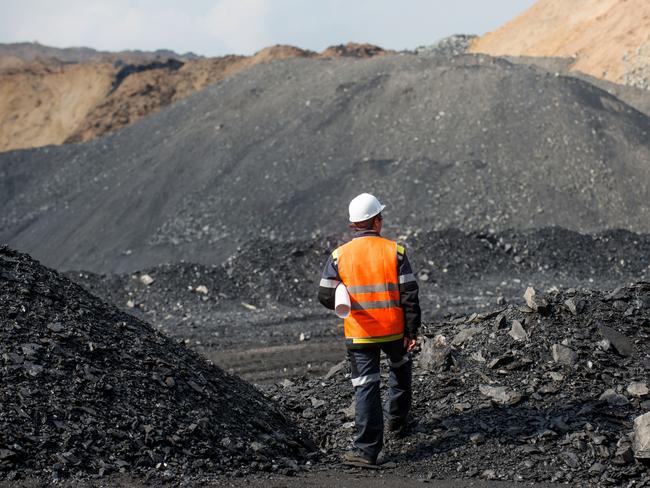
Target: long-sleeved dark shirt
408,287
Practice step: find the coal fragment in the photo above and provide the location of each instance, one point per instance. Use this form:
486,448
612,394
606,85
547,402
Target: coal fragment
336,369
619,342
611,397
624,455
500,394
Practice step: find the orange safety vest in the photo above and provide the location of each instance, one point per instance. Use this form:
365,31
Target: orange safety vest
368,268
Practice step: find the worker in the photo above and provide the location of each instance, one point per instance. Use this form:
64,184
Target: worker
384,316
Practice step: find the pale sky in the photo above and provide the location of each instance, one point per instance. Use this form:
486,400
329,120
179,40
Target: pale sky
217,27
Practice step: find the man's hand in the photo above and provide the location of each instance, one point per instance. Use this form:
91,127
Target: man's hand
409,344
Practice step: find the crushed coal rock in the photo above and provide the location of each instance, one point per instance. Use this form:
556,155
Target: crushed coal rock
88,390
563,402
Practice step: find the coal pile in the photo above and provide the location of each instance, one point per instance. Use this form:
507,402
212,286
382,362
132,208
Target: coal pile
268,274
89,390
543,390
475,142
244,313
453,45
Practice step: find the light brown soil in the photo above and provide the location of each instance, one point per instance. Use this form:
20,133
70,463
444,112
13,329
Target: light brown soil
49,102
43,103
600,36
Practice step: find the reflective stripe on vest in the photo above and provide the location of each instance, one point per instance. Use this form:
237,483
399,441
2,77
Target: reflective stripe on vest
368,268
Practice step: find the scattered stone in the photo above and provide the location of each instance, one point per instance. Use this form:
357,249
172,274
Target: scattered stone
570,304
489,474
201,289
641,443
477,438
350,411
517,331
478,357
597,468
146,280
434,358
500,322
316,403
465,335
610,396
624,455
571,459
638,389
501,361
619,342
533,302
336,369
564,355
500,394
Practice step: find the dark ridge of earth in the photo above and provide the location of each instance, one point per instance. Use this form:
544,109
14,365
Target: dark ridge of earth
88,390
470,142
258,314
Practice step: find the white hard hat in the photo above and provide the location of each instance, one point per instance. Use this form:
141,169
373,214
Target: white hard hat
364,207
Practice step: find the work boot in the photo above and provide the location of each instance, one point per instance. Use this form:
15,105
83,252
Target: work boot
358,458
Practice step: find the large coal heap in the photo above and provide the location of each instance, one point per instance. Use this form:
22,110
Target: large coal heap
544,390
87,389
468,142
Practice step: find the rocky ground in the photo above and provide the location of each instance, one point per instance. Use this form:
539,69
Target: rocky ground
257,313
543,390
89,391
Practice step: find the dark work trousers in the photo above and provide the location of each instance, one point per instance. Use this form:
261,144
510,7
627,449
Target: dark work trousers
369,419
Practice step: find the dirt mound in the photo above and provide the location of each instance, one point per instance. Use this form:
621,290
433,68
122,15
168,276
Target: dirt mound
145,92
354,50
475,142
515,394
604,38
54,96
88,389
44,102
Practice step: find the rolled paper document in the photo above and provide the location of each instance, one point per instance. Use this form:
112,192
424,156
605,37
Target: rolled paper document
342,301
